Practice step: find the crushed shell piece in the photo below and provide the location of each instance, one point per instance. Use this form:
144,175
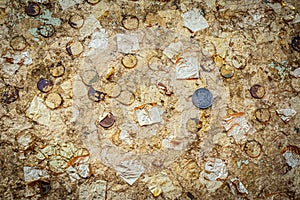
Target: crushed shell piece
187,68
129,170
237,187
32,174
127,43
147,114
38,111
194,21
174,51
53,100
292,155
215,169
237,126
286,114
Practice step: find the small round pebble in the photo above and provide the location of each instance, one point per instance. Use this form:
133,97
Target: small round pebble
227,71
257,91
93,2
9,94
18,43
74,48
44,85
95,95
262,115
252,148
130,22
32,9
53,100
108,121
129,61
76,21
57,70
46,30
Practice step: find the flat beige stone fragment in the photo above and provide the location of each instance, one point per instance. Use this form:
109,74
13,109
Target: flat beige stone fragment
38,111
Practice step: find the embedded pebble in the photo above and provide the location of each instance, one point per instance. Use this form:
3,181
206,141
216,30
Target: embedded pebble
129,61
44,85
53,100
32,9
9,94
76,21
57,70
46,30
74,48
18,43
130,22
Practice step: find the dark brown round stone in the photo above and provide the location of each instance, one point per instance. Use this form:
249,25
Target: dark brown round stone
257,91
32,9
108,121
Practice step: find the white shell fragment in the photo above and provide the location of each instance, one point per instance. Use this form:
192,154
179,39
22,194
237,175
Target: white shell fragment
292,156
286,114
148,114
194,21
187,68
215,170
32,174
129,170
89,26
15,62
237,126
174,50
237,187
127,43
99,40
38,111
296,73
94,190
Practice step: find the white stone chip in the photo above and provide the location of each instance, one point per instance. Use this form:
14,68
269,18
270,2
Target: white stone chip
93,191
32,174
237,187
174,51
292,159
38,111
127,43
129,170
148,115
237,126
286,114
99,40
16,61
89,26
215,169
296,73
65,4
187,68
194,21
